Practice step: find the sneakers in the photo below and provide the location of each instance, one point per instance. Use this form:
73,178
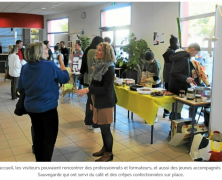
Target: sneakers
97,130
90,127
156,120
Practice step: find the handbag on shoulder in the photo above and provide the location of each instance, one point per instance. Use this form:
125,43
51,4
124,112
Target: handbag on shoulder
7,76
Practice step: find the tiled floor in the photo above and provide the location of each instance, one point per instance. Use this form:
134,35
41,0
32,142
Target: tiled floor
76,143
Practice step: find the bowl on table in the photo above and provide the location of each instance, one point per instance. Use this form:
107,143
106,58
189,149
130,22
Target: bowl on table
144,90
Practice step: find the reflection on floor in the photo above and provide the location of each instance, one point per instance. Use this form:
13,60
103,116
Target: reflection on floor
76,143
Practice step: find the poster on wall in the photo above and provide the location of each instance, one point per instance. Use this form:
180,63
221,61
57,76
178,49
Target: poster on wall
162,38
158,38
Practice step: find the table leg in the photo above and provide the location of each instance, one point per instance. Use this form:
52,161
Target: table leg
115,113
173,112
172,116
176,104
193,120
152,127
131,115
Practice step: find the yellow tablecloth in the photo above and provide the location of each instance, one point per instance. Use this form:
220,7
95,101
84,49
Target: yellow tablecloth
143,105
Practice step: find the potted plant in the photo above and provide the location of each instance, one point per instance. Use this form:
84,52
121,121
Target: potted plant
134,63
85,42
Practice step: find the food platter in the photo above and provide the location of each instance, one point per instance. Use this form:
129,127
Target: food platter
144,90
157,94
168,93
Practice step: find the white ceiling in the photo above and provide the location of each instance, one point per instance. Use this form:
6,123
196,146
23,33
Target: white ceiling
51,7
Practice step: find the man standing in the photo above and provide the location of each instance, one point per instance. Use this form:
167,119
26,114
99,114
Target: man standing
21,50
65,52
46,42
174,45
55,56
180,77
152,68
78,49
108,40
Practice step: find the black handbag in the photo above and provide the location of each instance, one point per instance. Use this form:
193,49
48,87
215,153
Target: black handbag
20,107
7,76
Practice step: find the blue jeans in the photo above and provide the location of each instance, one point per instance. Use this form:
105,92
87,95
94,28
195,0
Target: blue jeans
45,127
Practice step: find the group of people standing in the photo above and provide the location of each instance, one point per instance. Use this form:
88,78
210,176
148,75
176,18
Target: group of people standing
39,79
181,69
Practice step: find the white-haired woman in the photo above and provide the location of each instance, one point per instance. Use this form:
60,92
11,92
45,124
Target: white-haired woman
14,68
103,97
39,78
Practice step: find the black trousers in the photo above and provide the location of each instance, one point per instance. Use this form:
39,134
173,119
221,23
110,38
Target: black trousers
14,82
89,112
45,126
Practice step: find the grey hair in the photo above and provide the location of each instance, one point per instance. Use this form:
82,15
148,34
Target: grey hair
195,46
12,49
108,52
34,52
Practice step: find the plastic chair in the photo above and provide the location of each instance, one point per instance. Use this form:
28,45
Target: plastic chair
70,87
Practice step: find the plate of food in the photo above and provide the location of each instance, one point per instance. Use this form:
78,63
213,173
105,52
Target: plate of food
144,90
168,93
156,94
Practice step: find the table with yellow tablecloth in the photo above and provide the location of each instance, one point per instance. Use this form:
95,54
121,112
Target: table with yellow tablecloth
143,105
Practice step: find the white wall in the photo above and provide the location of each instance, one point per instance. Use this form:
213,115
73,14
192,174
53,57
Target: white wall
216,103
147,17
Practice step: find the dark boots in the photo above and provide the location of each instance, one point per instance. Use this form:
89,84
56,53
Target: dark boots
166,113
100,153
106,157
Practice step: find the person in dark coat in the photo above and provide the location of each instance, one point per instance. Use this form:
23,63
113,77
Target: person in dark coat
180,77
103,97
174,45
86,73
65,51
46,42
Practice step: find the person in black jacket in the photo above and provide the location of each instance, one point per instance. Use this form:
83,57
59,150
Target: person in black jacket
103,97
174,45
180,77
65,53
86,73
46,42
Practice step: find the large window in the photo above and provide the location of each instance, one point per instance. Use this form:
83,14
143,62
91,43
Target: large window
197,22
8,36
116,23
57,30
